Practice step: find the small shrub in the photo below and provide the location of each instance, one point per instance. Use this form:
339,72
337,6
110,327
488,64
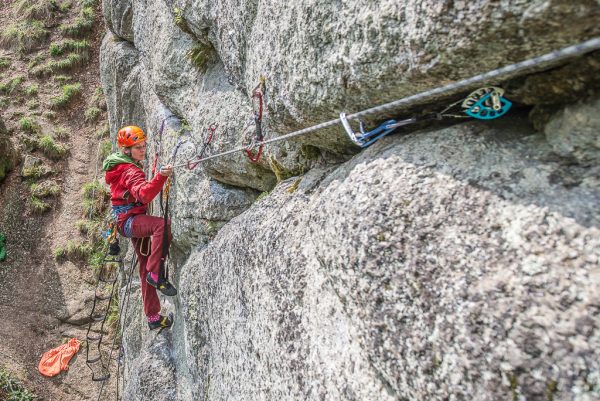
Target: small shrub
23,35
13,389
31,90
50,115
34,9
69,92
200,55
11,85
44,190
61,133
36,60
4,63
60,254
62,78
29,125
78,250
82,24
78,46
33,104
38,205
51,148
92,114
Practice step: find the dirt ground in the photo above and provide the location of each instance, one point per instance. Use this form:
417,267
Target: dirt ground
43,303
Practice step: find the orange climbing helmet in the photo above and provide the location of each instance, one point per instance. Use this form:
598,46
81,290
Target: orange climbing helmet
129,136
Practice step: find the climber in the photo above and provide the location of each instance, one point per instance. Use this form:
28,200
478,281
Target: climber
130,194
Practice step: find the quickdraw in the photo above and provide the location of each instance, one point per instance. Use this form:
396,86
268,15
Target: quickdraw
258,93
484,104
193,163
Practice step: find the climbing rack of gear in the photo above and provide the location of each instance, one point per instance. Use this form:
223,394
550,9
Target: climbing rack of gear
485,103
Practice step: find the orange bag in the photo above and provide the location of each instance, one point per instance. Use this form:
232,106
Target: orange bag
58,358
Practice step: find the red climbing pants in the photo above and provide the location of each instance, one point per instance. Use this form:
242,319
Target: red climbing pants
149,259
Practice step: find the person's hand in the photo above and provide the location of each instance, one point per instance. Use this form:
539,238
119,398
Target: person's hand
166,171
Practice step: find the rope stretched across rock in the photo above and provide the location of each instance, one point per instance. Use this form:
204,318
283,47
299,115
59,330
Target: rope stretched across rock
499,74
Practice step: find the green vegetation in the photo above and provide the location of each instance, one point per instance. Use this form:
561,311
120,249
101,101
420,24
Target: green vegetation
50,148
95,197
13,390
83,23
23,35
92,114
38,205
112,318
62,78
33,172
69,62
200,54
69,91
73,251
29,125
35,9
44,190
11,85
78,46
49,114
60,133
180,21
4,63
31,90
36,60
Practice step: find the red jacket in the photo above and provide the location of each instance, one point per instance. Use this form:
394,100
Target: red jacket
128,186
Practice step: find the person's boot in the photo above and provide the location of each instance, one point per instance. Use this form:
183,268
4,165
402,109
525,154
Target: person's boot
162,285
164,322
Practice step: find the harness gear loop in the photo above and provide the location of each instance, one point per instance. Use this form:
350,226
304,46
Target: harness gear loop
257,93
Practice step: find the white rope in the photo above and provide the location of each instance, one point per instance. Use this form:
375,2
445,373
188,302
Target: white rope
494,75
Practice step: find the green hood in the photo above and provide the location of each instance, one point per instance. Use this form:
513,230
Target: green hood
115,159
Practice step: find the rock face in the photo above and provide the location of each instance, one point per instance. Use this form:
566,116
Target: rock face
457,262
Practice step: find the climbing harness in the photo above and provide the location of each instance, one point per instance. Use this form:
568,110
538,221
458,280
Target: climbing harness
483,104
192,163
500,74
258,93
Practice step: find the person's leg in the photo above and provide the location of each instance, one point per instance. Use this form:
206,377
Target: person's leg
149,296
152,226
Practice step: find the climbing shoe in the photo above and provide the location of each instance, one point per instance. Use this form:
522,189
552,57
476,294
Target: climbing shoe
162,285
164,322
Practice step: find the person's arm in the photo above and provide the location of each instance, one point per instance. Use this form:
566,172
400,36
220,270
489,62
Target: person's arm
144,191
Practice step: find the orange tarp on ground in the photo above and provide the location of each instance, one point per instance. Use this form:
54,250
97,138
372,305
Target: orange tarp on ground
57,359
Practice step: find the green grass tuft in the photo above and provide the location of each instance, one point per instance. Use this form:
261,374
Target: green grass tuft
82,24
105,149
31,90
69,62
61,133
92,114
29,125
69,92
4,63
13,390
23,35
38,205
11,85
44,190
51,148
73,251
200,55
69,45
